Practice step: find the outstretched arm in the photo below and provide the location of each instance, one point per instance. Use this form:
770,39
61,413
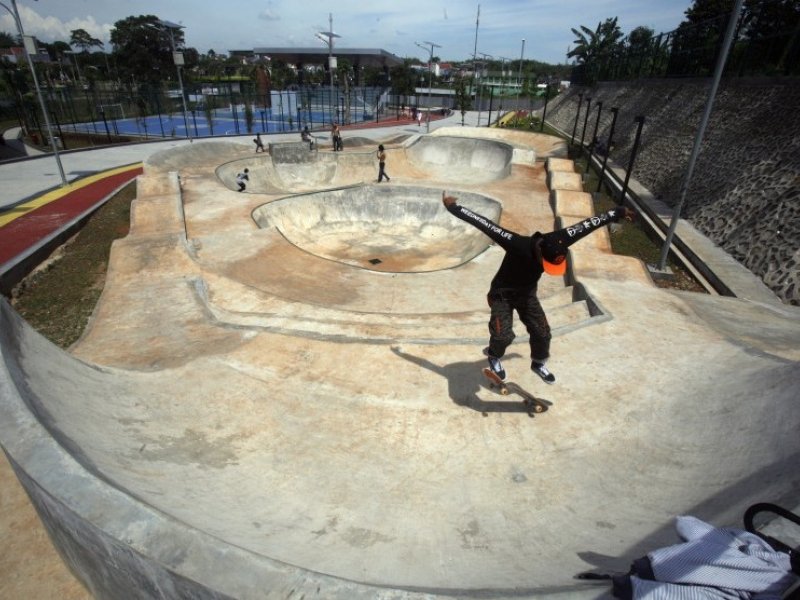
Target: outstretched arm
583,228
502,237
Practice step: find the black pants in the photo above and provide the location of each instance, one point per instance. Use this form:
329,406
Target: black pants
382,172
501,332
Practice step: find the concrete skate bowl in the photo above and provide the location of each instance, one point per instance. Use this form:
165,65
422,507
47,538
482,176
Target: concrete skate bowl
291,168
543,145
398,229
198,155
469,160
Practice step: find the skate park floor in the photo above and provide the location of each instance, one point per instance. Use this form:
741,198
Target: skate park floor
316,422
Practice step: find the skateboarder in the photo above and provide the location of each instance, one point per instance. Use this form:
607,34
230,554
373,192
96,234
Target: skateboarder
241,178
514,285
259,144
305,135
382,164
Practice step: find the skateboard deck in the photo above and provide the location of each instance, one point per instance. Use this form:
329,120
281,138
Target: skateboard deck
532,404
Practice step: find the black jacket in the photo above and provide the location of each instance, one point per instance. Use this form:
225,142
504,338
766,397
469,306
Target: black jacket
521,268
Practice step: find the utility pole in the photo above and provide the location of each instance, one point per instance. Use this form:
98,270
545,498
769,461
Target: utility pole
519,74
430,78
474,59
177,58
327,37
483,63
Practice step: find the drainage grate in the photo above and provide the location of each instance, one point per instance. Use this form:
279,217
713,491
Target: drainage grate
375,261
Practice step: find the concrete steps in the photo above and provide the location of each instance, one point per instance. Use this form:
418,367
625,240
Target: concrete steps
236,305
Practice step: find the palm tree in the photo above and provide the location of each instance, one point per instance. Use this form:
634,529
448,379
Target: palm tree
593,49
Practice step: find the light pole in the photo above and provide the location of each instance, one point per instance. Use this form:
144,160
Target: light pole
77,66
483,63
30,45
177,58
519,73
327,37
503,81
430,78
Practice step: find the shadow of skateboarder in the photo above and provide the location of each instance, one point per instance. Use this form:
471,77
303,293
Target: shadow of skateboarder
464,381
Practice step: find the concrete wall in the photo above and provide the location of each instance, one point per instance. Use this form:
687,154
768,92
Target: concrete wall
745,190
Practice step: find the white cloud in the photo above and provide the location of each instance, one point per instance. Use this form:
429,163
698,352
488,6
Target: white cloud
51,29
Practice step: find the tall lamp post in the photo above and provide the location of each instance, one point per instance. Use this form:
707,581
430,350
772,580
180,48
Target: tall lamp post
30,46
327,37
519,73
484,64
430,78
177,58
77,66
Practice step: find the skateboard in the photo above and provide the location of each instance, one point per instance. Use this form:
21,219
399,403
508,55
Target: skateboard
533,404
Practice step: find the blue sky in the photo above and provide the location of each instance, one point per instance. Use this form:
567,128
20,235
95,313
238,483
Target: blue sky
225,25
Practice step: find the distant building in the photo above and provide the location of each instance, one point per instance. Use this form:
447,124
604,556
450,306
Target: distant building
304,58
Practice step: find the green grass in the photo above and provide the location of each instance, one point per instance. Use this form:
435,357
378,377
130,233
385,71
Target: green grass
633,240
58,298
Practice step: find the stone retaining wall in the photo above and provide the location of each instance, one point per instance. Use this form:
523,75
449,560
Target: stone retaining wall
745,190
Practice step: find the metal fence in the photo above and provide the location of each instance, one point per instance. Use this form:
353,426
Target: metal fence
764,44
211,109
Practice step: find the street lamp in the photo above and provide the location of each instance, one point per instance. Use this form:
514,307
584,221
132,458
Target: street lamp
29,46
327,37
483,64
77,66
177,58
425,45
519,74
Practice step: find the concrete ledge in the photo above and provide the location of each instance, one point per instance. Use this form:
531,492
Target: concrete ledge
571,204
157,208
564,180
560,164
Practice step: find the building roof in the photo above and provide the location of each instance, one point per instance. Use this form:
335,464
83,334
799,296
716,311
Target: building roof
373,57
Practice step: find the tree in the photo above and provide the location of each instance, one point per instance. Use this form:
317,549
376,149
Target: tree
695,42
8,40
772,30
640,50
462,97
80,38
595,49
143,50
403,79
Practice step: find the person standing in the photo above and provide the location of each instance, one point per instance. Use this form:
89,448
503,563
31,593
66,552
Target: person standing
336,136
241,178
514,285
259,144
382,164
